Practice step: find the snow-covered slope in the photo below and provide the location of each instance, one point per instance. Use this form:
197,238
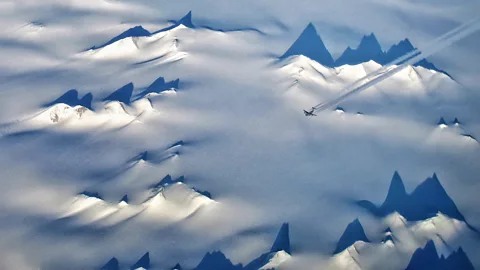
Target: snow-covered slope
168,200
188,139
400,240
161,47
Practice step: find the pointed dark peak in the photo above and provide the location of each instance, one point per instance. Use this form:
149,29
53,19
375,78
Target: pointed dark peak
457,260
160,85
204,193
123,94
426,201
398,50
424,258
158,82
217,260
339,109
86,101
396,191
370,40
388,230
282,241
137,31
432,184
310,28
310,44
144,262
173,84
368,49
187,20
71,98
431,197
407,43
124,198
143,156
430,247
177,267
456,122
442,122
112,264
402,46
460,251
91,194
167,180
428,65
353,233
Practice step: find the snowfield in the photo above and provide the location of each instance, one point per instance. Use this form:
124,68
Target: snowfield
142,134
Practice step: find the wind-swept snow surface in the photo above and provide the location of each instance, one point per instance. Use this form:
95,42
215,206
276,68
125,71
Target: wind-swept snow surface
142,134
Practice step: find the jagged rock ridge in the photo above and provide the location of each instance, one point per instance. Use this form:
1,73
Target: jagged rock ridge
424,202
427,258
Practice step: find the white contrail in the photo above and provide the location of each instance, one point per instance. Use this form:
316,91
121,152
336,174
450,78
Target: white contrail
400,63
405,57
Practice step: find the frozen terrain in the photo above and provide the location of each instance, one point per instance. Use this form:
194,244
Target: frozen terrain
141,134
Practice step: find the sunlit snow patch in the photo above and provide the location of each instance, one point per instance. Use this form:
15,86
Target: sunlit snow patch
113,114
89,209
275,260
62,112
400,241
161,47
176,200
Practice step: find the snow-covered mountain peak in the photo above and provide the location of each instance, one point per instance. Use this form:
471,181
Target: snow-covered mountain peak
212,99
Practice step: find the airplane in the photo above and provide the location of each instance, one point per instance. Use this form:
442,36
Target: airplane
309,113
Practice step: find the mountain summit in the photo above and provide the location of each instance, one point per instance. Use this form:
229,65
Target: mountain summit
137,31
310,44
369,49
427,258
353,233
187,20
424,202
404,47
